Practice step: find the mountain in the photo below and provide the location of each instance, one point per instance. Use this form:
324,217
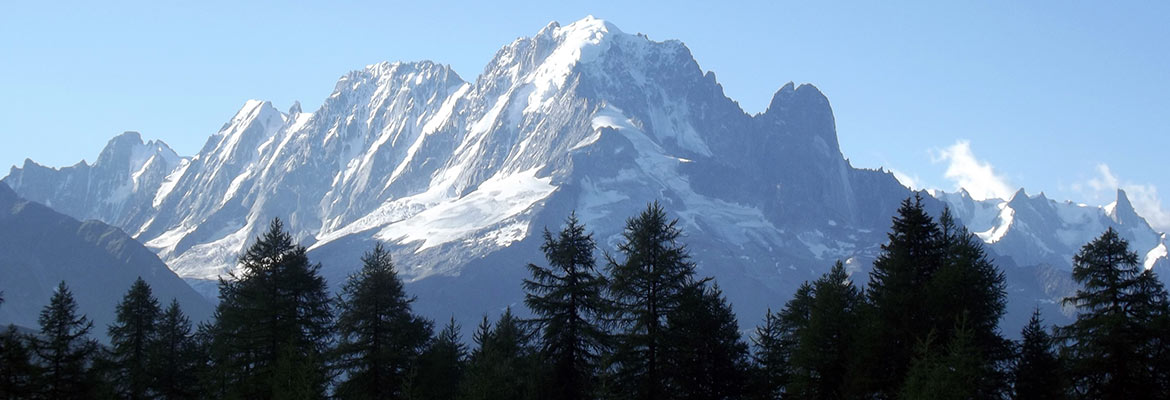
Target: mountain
1042,235
117,188
40,247
1037,230
459,178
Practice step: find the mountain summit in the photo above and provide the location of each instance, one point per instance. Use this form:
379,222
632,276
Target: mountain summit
458,176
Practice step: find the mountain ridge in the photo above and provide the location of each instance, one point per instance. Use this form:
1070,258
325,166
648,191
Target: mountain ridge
457,177
40,247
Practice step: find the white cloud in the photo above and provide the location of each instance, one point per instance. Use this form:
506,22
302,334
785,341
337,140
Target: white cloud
1103,187
1105,179
913,183
967,172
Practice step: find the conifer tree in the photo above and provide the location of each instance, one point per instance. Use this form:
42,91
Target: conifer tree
440,368
503,365
1110,347
64,349
777,340
380,338
215,371
951,372
769,362
927,278
969,287
295,375
1037,373
103,375
1154,309
896,294
174,357
567,299
130,337
17,373
766,368
705,356
820,359
967,284
273,322
645,287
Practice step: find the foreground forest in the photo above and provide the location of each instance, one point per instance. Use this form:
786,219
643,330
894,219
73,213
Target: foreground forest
642,325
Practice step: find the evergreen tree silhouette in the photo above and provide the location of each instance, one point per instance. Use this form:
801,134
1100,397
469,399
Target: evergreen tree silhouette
1038,373
174,357
64,349
441,367
273,323
646,287
567,298
1110,348
134,328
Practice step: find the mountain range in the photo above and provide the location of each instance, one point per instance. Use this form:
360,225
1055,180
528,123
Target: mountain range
459,178
40,248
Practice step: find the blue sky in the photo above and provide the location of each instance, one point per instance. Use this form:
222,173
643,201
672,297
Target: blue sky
1071,98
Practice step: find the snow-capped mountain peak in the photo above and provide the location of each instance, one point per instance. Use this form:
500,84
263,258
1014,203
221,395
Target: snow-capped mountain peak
129,147
1123,212
114,188
1039,230
457,176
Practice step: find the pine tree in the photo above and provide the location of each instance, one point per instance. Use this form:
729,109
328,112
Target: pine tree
952,372
503,365
1037,373
103,375
295,375
567,299
968,286
440,368
896,294
380,338
645,288
705,356
174,358
927,278
64,349
1109,347
769,363
215,374
1153,308
821,358
18,375
777,340
273,322
130,337
767,368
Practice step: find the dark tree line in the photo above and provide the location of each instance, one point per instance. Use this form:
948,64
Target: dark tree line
642,325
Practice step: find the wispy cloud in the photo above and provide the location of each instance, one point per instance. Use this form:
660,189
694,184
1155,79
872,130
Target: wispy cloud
1103,186
968,172
911,182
